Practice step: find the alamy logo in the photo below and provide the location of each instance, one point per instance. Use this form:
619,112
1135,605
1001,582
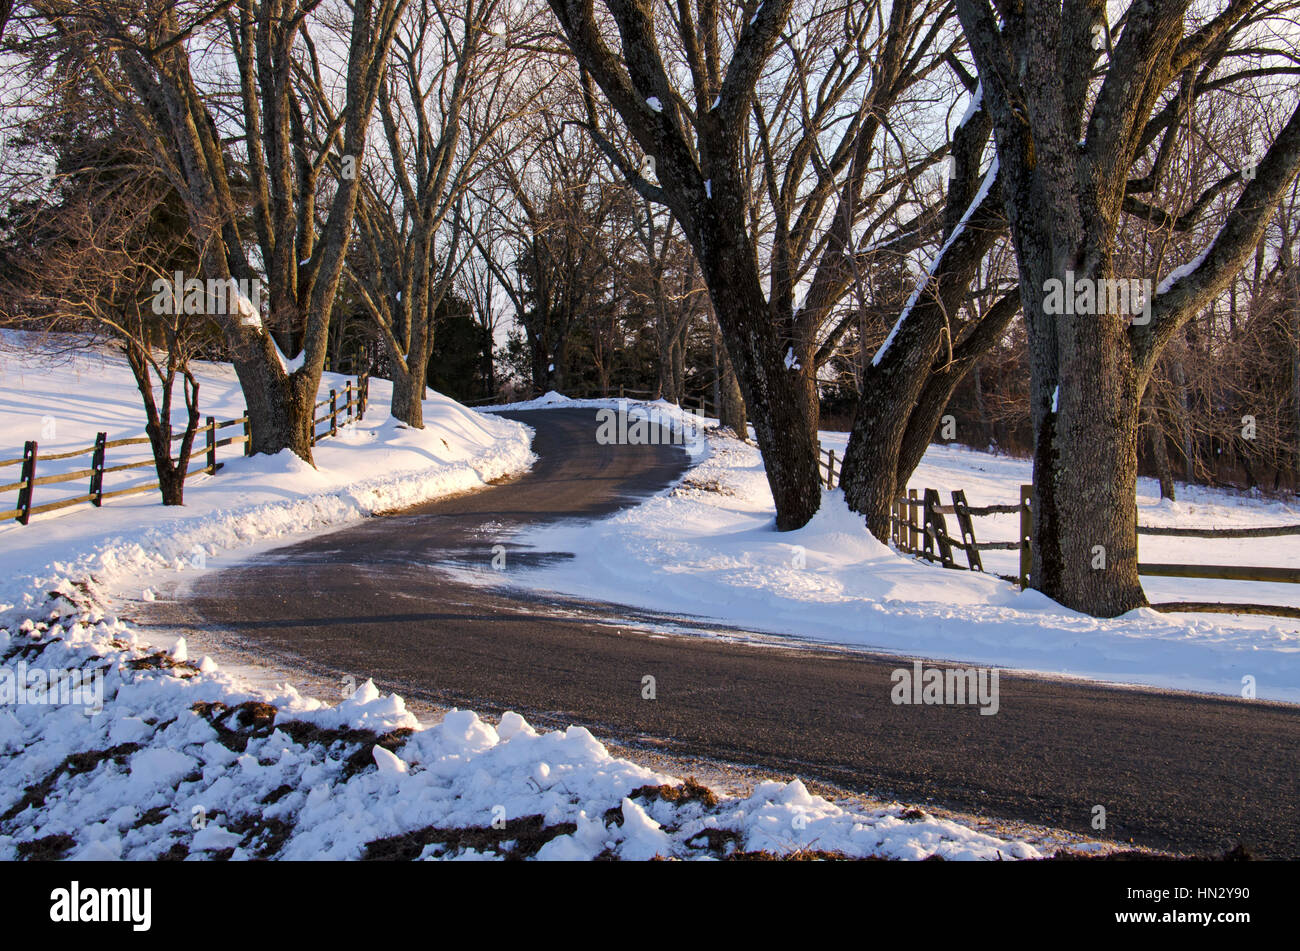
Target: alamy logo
1125,297
215,297
650,426
946,686
40,686
74,904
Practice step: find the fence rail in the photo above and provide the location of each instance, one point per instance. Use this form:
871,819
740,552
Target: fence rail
927,536
353,408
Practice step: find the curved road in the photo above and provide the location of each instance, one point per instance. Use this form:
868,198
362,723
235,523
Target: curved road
1174,771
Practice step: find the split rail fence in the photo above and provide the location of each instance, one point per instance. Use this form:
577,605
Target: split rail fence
342,408
919,526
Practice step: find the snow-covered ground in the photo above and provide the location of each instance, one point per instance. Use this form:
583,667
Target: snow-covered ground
707,547
374,465
111,747
185,761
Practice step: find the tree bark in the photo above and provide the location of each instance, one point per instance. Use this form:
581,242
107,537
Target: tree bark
943,380
784,404
408,395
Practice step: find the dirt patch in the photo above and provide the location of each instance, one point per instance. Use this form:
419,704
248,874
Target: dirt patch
705,485
253,719
276,794
237,725
152,817
802,855
179,852
364,758
161,660
49,848
1238,853
526,836
35,794
716,840
689,791
264,837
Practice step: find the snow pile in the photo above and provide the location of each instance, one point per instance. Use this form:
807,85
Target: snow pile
708,548
371,466
179,759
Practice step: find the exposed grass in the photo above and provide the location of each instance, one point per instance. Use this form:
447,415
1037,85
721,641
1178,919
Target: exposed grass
691,790
46,849
34,795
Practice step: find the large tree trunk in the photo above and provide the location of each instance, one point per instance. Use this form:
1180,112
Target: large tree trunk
1085,397
411,369
280,408
1066,153
665,386
869,478
893,383
783,402
408,394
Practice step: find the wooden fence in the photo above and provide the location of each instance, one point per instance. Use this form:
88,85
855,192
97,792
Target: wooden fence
928,535
919,526
352,407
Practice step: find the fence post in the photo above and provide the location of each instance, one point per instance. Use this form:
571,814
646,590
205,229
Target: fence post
1026,534
97,471
967,529
334,412
212,445
912,533
936,529
248,434
29,476
363,385
347,402
830,470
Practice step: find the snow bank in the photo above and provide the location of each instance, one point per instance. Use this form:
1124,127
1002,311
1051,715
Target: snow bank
183,761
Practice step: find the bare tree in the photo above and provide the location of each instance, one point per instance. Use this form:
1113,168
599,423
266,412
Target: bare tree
553,208
139,54
92,261
453,85
1076,103
766,182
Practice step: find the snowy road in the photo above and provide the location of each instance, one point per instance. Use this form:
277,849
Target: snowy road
1187,772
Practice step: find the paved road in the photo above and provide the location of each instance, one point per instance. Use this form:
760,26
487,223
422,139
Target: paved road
1190,773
